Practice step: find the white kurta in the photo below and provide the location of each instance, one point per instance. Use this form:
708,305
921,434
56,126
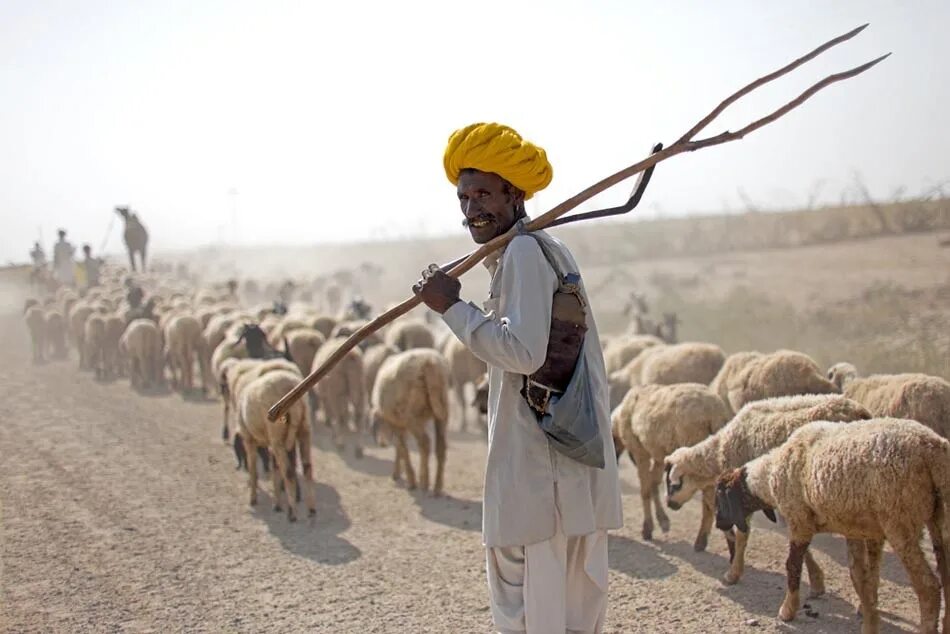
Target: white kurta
524,476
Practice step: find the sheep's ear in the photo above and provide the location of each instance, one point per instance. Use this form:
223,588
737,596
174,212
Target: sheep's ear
770,513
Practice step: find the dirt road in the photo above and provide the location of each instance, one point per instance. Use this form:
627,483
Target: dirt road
123,513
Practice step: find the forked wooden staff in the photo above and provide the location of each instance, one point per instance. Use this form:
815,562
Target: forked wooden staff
553,217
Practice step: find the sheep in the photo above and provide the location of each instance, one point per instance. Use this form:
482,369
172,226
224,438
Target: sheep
347,328
142,343
238,374
466,368
373,358
114,361
36,323
94,341
78,314
255,338
302,344
56,333
655,420
919,397
286,438
183,344
340,391
622,350
620,381
757,428
411,388
885,478
682,363
409,334
734,364
286,326
324,323
781,373
228,349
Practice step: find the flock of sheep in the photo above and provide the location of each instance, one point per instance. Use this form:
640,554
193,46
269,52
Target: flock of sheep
867,458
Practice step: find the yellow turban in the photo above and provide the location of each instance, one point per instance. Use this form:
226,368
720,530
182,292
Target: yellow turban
496,148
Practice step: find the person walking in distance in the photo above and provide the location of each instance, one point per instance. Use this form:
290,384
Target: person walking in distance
63,265
545,515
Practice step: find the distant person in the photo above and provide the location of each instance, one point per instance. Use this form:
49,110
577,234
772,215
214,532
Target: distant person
38,257
91,267
63,265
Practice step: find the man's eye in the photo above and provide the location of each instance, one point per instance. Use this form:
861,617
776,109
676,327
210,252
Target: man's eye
483,194
463,197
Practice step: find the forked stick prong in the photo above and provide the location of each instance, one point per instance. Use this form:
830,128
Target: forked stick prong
761,81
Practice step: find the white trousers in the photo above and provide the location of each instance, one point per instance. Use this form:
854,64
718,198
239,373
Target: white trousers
558,586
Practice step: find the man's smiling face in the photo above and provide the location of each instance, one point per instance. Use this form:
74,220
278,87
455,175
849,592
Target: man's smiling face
491,205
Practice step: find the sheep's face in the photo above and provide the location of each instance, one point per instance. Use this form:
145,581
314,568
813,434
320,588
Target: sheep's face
730,507
680,486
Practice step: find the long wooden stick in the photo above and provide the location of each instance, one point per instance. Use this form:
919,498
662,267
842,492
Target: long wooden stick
684,144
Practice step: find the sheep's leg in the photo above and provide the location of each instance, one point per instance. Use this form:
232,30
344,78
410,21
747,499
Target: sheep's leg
816,578
656,478
277,479
645,474
737,566
403,456
250,448
793,572
440,451
858,568
286,469
359,424
422,440
705,524
306,461
943,571
225,432
907,546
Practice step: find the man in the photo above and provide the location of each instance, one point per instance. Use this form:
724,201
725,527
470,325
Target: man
63,266
91,267
545,516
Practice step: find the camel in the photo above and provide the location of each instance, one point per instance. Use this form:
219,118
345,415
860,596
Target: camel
135,236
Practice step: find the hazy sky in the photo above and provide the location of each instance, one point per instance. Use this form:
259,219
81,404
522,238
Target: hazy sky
329,118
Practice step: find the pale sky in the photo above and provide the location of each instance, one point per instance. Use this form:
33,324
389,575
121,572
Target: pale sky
329,119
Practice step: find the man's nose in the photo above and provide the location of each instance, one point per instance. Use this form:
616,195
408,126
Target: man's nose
471,209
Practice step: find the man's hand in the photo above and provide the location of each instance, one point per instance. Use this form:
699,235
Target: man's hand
437,290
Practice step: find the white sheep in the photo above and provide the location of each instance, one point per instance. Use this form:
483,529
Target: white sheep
78,314
115,362
56,333
184,344
36,324
758,427
94,342
652,422
286,438
342,394
373,358
409,334
681,363
412,388
142,344
621,350
886,478
919,397
466,369
734,364
780,373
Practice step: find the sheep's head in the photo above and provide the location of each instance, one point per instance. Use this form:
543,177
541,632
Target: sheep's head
254,338
681,484
735,503
841,374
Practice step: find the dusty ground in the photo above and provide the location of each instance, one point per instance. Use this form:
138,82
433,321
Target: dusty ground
123,513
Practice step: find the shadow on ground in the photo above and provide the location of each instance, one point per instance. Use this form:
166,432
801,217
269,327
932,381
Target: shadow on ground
315,538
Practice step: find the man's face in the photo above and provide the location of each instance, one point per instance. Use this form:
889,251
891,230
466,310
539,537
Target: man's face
489,203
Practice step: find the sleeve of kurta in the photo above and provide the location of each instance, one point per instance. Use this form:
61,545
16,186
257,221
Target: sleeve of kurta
516,339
